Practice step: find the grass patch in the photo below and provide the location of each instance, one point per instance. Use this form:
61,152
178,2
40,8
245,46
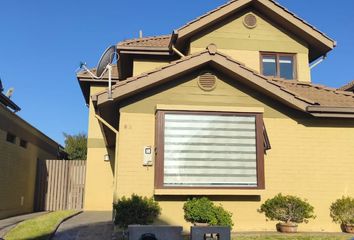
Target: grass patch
38,228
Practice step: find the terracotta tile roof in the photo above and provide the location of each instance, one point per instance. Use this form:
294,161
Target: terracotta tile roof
85,74
348,87
319,94
232,1
303,94
162,41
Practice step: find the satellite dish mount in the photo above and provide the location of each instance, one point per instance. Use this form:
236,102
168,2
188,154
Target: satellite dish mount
104,65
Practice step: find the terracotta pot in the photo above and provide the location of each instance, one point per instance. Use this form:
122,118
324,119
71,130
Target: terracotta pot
287,227
348,228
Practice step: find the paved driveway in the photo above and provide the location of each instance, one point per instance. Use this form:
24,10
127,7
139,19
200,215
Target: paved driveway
86,226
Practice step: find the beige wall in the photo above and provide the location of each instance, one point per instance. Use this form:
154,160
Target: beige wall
311,158
99,174
18,164
141,66
245,45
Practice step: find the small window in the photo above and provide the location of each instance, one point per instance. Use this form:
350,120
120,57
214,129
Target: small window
279,65
23,143
11,138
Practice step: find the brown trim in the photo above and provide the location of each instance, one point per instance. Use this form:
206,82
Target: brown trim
222,62
277,59
159,146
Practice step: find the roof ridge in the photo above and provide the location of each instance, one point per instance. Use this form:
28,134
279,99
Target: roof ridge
347,86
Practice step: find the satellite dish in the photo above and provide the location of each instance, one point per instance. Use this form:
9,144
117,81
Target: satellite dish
107,58
10,92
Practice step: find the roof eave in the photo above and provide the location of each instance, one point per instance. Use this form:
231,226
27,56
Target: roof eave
332,112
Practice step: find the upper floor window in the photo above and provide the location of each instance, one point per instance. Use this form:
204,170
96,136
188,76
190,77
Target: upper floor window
279,65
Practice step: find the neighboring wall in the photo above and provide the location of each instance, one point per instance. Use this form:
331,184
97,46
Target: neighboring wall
311,158
99,174
18,164
244,44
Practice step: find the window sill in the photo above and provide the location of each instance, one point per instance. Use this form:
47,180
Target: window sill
209,192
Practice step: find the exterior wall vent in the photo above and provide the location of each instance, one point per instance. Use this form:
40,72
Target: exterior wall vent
250,21
207,81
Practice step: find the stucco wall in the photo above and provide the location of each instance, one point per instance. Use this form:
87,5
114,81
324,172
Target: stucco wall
245,45
99,174
18,164
311,158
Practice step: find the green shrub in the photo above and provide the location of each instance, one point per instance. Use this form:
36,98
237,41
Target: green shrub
342,210
287,209
202,210
135,210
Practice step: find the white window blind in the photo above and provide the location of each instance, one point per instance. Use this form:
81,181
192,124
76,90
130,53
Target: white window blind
210,150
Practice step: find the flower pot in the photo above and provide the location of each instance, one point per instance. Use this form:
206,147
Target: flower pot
287,227
348,228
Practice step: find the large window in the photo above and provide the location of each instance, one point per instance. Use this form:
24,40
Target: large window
278,65
209,150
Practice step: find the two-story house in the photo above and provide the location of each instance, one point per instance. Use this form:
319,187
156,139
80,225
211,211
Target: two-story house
223,107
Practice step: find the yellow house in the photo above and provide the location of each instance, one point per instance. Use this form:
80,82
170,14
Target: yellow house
21,146
223,107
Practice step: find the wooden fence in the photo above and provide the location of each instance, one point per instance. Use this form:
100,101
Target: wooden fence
60,185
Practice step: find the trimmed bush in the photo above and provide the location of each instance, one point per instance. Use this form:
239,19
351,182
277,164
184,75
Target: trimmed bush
202,210
287,209
135,210
342,210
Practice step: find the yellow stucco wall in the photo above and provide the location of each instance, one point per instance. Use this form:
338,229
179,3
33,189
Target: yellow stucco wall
245,45
99,174
311,158
140,66
18,166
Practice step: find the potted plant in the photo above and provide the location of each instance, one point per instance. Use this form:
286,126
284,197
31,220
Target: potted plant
203,212
135,210
289,210
342,212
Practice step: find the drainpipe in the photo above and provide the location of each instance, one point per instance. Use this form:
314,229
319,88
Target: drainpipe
318,62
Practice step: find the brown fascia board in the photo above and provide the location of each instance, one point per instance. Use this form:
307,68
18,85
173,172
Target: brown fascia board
319,42
221,62
324,109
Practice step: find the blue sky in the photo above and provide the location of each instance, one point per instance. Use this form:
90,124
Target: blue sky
42,43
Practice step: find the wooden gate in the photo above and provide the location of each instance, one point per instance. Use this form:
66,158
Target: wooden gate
60,185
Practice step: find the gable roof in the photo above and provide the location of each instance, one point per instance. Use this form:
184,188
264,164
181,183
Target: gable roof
7,102
347,87
301,96
319,42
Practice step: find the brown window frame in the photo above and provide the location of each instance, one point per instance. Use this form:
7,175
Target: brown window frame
277,57
159,149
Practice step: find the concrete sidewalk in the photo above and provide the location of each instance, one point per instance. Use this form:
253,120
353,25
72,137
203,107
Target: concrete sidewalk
86,226
8,223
